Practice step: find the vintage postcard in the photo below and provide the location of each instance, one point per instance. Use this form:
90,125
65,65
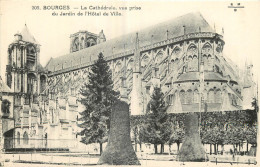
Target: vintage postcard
122,82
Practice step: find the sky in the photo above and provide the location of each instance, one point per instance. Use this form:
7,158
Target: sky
241,28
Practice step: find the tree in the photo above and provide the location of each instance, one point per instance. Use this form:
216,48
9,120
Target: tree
177,133
212,130
98,97
137,127
156,129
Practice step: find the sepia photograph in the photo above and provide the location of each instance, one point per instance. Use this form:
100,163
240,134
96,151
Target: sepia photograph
123,82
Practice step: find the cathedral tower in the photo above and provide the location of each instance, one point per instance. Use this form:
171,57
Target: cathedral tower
23,57
26,79
85,39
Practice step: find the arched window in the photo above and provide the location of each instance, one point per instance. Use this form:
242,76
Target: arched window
172,64
195,63
211,96
90,42
176,51
204,58
144,61
31,83
129,67
158,58
210,63
18,138
75,45
219,48
118,67
190,63
82,43
192,50
189,97
22,57
25,138
31,57
234,100
182,96
42,83
207,51
9,80
196,96
218,96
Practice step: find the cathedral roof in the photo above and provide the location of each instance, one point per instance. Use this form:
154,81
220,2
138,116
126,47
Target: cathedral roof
27,36
192,22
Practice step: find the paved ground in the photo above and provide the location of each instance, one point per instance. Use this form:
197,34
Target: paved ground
74,159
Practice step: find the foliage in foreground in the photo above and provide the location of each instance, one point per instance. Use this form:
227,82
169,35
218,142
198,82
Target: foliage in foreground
216,128
98,97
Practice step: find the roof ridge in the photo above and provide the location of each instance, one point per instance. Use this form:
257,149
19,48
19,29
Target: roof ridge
157,32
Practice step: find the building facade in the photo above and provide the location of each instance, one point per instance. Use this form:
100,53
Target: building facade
183,56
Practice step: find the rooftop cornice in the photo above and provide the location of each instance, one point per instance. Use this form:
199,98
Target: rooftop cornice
178,39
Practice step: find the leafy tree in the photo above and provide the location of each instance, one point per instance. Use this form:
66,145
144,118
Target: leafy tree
212,130
252,115
137,127
98,97
177,133
156,129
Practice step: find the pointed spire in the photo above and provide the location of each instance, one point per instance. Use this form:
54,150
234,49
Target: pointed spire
27,36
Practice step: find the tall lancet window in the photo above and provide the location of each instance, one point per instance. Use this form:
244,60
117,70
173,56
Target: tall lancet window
192,53
18,138
207,53
75,45
31,57
189,97
25,138
182,96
